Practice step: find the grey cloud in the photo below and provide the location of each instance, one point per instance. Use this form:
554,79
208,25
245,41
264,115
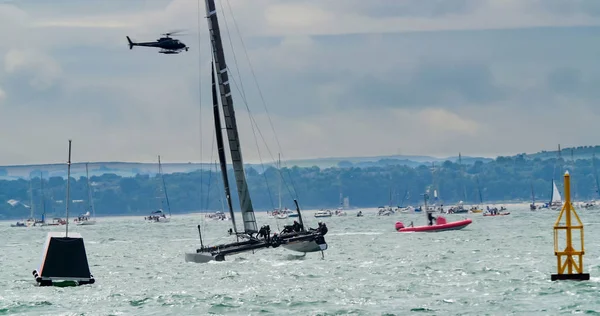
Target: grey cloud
404,8
575,83
429,85
569,7
565,80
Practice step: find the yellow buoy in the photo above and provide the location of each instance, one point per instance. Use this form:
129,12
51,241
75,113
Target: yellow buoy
569,259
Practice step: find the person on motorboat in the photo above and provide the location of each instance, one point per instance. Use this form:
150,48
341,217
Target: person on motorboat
359,214
431,218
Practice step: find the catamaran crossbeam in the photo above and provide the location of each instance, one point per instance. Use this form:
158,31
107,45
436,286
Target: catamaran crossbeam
219,252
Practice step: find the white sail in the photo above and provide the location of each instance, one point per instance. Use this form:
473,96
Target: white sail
555,193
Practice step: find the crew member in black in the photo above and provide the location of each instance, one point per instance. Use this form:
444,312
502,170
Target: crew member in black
322,228
430,218
297,227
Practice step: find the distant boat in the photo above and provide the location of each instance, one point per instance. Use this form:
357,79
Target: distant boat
556,200
532,206
323,213
159,216
385,211
218,215
31,221
85,219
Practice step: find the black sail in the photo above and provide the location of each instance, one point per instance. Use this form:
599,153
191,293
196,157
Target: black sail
221,146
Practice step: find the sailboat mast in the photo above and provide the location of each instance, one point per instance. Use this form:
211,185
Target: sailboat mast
595,173
42,196
279,183
462,175
164,185
30,198
532,194
221,148
222,75
68,190
90,198
479,189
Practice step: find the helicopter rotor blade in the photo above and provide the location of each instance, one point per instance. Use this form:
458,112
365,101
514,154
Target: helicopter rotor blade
173,32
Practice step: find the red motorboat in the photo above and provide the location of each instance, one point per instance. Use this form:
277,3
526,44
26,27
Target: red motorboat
498,214
440,225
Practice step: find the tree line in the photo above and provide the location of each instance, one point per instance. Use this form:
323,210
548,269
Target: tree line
503,179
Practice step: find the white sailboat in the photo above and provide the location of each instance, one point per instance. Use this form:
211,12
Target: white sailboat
555,200
87,218
159,216
31,221
280,212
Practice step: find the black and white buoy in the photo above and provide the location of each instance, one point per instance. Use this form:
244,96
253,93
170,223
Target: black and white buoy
64,261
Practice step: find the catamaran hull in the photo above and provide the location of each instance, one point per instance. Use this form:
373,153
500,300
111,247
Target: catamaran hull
198,257
305,246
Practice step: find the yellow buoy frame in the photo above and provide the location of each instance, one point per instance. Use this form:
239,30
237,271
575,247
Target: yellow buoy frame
568,259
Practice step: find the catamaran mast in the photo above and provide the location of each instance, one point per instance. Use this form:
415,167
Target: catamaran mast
221,147
90,199
164,185
248,217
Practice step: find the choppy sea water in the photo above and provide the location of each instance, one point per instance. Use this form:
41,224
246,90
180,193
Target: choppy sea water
496,266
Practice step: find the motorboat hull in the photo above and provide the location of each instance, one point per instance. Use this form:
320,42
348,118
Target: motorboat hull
84,223
160,220
436,228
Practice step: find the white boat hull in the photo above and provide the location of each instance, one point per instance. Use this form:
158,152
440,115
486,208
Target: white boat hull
305,246
159,220
84,223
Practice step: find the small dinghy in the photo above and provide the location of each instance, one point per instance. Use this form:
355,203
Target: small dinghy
497,214
440,225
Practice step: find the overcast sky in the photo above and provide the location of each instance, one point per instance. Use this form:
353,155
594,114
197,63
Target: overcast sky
339,78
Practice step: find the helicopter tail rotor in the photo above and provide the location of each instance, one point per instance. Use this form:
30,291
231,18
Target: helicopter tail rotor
130,43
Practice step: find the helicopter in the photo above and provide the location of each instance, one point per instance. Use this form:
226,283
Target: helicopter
167,44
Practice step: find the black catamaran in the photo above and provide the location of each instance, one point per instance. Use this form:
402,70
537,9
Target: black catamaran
297,237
